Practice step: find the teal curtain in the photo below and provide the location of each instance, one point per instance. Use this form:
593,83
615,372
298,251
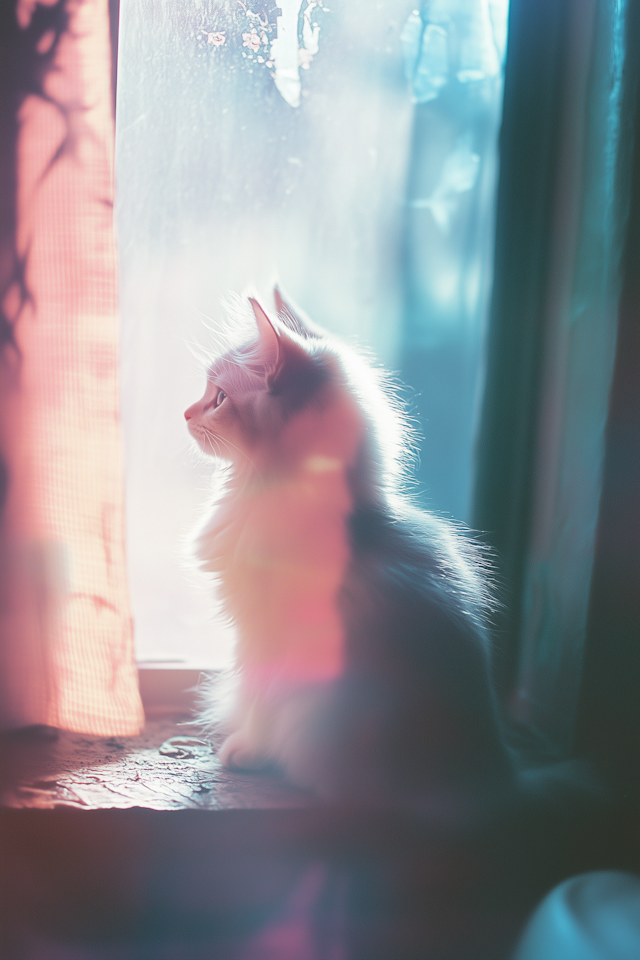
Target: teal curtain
561,218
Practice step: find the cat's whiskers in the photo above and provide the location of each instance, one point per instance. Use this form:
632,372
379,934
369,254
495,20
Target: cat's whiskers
213,442
199,353
230,444
234,363
188,446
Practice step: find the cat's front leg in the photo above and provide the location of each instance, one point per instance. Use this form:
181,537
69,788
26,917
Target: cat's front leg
245,749
240,752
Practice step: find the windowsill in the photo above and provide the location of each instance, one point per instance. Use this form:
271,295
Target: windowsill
110,844
168,767
106,842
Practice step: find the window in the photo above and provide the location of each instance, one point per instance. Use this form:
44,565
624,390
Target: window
347,148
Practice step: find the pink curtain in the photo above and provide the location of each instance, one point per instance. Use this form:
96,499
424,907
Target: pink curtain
66,647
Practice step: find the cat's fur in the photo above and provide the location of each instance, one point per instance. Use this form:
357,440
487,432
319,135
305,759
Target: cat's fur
362,640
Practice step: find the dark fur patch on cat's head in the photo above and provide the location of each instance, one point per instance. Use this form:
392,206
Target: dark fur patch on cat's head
300,376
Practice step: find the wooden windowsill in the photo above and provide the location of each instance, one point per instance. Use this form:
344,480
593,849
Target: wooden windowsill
170,766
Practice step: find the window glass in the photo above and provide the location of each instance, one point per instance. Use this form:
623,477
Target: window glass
346,148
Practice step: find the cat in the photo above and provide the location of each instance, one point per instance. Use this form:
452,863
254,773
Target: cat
363,640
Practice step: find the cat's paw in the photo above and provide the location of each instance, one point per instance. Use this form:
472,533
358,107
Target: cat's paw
238,753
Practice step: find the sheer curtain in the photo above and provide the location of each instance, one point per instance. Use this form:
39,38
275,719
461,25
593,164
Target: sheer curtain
66,647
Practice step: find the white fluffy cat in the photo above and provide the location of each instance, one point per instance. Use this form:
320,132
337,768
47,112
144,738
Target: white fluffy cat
362,654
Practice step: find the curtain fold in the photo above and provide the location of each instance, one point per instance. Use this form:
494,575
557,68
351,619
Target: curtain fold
66,640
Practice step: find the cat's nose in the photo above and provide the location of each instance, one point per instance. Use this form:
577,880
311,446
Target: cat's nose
188,413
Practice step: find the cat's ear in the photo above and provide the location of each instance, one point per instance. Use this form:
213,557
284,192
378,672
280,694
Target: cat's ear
268,338
292,373
291,318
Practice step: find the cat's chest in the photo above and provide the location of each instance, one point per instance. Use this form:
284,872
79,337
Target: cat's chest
284,576
293,533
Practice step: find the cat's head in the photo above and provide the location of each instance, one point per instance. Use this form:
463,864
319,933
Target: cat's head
291,390
255,390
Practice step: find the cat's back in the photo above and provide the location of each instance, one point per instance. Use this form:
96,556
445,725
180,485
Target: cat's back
415,602
416,565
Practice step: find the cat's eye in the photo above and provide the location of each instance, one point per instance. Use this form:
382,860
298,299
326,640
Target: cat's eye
217,400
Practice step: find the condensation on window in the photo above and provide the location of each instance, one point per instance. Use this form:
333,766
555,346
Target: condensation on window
346,148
